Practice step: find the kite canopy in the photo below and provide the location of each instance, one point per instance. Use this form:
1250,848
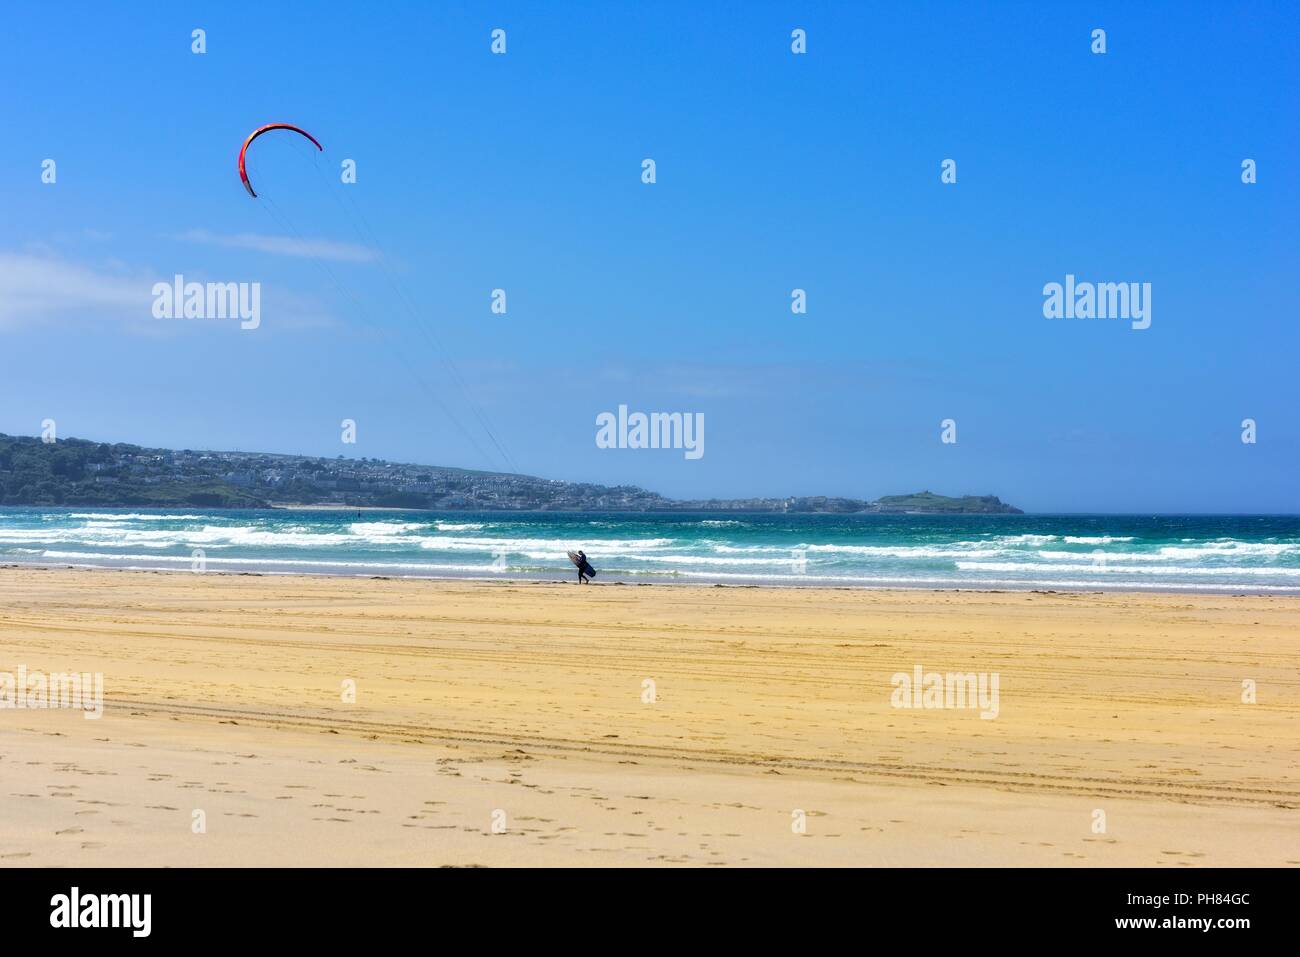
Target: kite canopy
243,173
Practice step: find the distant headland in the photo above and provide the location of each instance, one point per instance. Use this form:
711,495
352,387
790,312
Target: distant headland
78,472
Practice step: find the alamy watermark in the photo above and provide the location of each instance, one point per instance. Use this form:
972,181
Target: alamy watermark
36,691
933,689
1101,300
656,430
75,909
179,299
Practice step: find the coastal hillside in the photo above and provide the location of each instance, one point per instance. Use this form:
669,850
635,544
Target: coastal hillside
77,472
929,502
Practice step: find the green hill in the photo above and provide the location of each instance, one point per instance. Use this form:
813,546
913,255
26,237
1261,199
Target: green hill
929,502
76,472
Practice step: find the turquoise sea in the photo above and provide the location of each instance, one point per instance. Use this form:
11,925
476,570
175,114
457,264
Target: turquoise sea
1114,552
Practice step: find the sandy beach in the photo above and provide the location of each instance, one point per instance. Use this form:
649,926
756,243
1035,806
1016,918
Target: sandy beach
500,723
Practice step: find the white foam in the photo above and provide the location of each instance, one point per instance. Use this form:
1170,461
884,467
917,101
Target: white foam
1114,566
135,517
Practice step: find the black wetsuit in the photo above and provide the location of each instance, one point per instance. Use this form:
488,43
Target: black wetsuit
584,569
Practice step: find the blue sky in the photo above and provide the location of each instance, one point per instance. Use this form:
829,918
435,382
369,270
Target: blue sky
775,172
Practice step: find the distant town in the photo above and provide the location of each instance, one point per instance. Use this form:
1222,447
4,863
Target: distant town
77,472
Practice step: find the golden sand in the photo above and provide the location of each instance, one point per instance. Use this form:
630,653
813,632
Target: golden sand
512,723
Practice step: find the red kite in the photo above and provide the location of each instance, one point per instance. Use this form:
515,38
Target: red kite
243,173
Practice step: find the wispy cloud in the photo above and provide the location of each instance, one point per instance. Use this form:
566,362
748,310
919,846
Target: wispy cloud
40,285
34,287
285,246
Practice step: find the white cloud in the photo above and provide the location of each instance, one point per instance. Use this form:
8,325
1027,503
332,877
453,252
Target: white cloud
285,246
40,286
34,287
